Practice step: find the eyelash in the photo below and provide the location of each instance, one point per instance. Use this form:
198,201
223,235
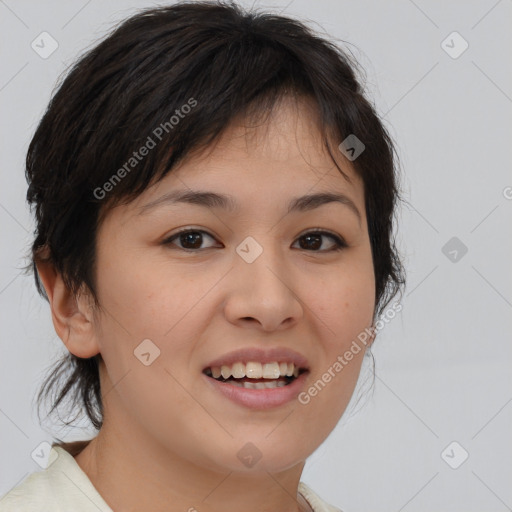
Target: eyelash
340,244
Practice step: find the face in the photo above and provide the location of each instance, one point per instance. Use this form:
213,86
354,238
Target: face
253,277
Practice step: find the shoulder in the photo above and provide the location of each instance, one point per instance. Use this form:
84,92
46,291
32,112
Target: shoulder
32,495
61,486
317,503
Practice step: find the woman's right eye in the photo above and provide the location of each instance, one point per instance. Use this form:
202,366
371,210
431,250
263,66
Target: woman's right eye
190,239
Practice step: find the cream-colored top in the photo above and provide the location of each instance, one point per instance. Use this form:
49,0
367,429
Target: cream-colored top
64,487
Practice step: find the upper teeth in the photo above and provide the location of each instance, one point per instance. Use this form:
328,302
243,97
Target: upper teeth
255,370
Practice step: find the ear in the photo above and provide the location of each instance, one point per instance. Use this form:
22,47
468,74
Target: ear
72,316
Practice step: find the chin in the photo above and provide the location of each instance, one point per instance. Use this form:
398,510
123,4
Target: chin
264,456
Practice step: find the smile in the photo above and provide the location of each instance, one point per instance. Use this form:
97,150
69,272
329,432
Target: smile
258,378
255,375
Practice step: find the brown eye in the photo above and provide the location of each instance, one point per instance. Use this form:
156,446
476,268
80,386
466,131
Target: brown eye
193,239
190,239
312,241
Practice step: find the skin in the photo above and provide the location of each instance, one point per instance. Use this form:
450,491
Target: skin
169,442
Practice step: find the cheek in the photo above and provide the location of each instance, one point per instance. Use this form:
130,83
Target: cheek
344,303
346,310
144,302
151,302
145,299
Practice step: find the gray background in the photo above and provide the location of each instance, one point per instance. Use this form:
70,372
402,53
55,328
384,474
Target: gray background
443,365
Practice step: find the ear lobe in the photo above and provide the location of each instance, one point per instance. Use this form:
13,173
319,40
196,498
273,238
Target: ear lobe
72,316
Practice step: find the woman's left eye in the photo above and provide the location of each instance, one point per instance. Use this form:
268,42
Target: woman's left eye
314,238
191,240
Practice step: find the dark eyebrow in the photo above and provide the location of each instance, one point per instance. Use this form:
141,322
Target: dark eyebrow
214,200
312,201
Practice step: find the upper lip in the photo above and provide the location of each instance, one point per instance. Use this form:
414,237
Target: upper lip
279,354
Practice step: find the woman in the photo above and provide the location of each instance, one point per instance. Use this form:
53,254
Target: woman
214,200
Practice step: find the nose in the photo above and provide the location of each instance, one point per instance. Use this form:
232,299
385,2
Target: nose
261,293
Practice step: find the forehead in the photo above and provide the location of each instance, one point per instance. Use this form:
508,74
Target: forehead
263,161
289,135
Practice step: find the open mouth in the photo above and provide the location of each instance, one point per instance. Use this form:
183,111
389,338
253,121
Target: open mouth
254,375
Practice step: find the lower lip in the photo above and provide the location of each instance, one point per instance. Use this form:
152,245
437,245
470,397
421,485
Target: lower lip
260,398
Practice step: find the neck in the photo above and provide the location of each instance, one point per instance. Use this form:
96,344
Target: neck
143,476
